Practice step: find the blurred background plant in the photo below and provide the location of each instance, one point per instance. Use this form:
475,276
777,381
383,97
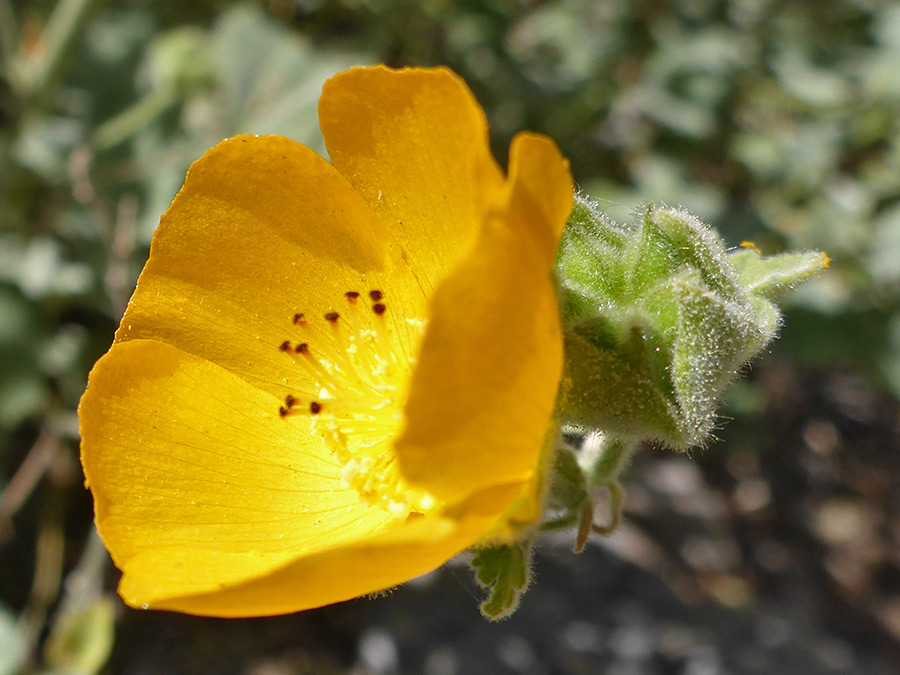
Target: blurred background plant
773,120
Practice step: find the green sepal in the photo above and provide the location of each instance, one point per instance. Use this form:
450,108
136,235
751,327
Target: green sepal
590,253
568,489
715,338
675,240
772,276
505,572
604,459
603,390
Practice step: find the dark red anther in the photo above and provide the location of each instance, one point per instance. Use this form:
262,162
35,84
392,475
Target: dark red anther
289,401
376,295
282,411
351,295
379,308
298,319
332,317
285,346
302,348
315,407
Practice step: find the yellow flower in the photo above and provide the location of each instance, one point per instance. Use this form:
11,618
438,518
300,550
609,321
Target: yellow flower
332,377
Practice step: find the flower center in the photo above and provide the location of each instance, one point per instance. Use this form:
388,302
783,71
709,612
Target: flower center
357,380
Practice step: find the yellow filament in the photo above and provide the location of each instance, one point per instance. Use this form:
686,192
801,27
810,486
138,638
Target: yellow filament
362,381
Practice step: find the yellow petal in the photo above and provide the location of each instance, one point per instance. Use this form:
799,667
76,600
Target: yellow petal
414,144
262,230
213,502
320,578
483,391
210,503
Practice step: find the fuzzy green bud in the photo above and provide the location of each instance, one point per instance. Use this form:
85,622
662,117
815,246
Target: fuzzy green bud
659,318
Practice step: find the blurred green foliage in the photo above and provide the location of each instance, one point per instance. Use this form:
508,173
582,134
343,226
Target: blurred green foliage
772,120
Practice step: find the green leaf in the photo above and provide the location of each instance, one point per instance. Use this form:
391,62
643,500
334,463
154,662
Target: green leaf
81,641
505,572
270,77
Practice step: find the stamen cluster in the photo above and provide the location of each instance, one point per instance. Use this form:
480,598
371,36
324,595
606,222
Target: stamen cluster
356,397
